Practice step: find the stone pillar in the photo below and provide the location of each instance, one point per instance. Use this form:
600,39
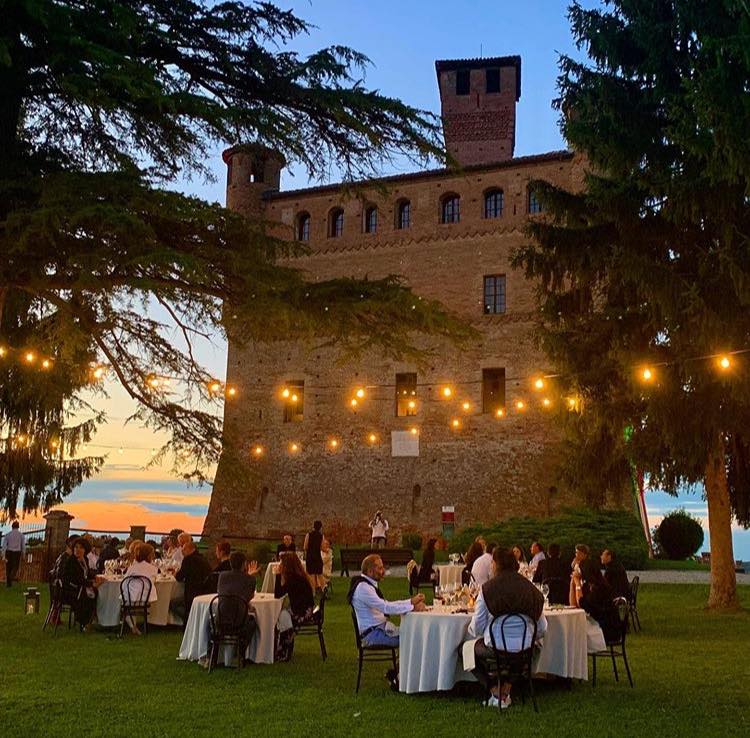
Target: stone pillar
56,533
138,532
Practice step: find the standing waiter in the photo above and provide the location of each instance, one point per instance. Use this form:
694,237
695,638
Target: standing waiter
14,546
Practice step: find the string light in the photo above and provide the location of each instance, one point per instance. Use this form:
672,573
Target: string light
520,405
333,444
294,398
232,392
46,364
293,448
98,372
446,392
411,405
539,384
724,362
547,402
455,423
354,403
647,374
258,451
285,392
30,357
372,438
54,443
500,413
360,393
214,386
3,352
466,406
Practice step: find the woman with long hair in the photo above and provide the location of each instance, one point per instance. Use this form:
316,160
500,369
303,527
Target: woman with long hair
78,583
425,573
292,581
475,551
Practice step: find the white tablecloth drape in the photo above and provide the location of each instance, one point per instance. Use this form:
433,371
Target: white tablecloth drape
269,578
197,631
108,602
431,644
449,573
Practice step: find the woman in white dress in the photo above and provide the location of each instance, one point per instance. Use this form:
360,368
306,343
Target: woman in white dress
142,566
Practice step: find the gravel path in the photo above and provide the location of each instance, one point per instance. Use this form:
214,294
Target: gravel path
680,577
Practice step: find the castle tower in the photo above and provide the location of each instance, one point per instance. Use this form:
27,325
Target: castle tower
252,170
478,105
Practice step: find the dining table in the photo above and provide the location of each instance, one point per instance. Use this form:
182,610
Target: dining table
449,574
197,634
109,602
432,656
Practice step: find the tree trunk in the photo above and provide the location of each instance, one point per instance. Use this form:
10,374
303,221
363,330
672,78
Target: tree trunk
723,593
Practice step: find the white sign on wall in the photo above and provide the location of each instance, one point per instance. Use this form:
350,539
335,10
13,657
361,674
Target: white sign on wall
404,443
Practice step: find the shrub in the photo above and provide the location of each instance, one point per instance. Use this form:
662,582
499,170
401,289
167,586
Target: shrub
679,535
618,530
260,551
411,539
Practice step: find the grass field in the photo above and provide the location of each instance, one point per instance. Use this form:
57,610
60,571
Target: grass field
691,671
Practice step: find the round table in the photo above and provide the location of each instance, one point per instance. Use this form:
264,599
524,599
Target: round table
108,601
430,648
194,644
269,578
449,573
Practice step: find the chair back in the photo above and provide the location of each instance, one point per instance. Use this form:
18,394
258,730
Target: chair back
512,655
622,609
228,615
634,590
320,611
135,590
559,589
357,636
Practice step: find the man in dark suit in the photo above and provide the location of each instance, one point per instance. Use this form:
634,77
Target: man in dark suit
615,574
223,550
286,546
240,582
193,572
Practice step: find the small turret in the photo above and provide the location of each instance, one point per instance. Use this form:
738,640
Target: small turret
252,170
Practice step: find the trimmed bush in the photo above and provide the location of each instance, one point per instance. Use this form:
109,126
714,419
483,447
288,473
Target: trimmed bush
679,535
618,530
412,540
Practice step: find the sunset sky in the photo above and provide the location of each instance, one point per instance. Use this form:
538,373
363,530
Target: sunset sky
403,40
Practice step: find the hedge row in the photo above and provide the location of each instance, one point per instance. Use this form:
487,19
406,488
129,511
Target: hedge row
617,530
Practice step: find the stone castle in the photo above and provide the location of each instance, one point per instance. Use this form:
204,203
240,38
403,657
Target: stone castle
296,448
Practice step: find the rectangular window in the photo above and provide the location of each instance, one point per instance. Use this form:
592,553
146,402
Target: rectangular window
494,294
493,390
493,80
406,394
294,403
463,77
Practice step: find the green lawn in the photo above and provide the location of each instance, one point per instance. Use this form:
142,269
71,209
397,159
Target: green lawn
691,670
668,565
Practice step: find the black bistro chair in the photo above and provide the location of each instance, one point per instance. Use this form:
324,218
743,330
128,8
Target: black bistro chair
514,666
371,653
314,626
417,585
134,595
633,604
58,606
228,617
615,641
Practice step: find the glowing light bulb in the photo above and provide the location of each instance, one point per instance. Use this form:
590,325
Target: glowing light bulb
353,403
466,406
372,438
258,450
725,362
520,405
447,392
294,398
500,413
333,443
214,386
153,382
29,357
360,393
232,392
539,383
46,364
546,402
455,423
293,448
412,404
647,374
3,351
571,403
99,372
54,443
285,392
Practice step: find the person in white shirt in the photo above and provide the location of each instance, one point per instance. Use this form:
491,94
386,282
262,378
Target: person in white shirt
142,566
483,569
537,555
379,527
14,546
372,609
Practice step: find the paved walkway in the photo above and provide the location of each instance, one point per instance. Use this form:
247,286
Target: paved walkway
680,577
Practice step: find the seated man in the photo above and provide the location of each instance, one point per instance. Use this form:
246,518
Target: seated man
193,572
507,592
286,546
222,551
537,556
240,581
483,570
615,574
553,572
372,609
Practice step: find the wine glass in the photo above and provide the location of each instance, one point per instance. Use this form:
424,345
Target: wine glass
545,592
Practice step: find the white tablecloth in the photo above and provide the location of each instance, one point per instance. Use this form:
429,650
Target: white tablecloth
430,645
108,602
449,573
269,578
197,631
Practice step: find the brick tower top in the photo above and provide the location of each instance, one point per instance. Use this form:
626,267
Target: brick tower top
478,104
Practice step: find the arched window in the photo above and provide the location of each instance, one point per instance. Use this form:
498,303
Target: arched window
403,214
371,220
493,203
335,223
535,205
449,209
303,227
